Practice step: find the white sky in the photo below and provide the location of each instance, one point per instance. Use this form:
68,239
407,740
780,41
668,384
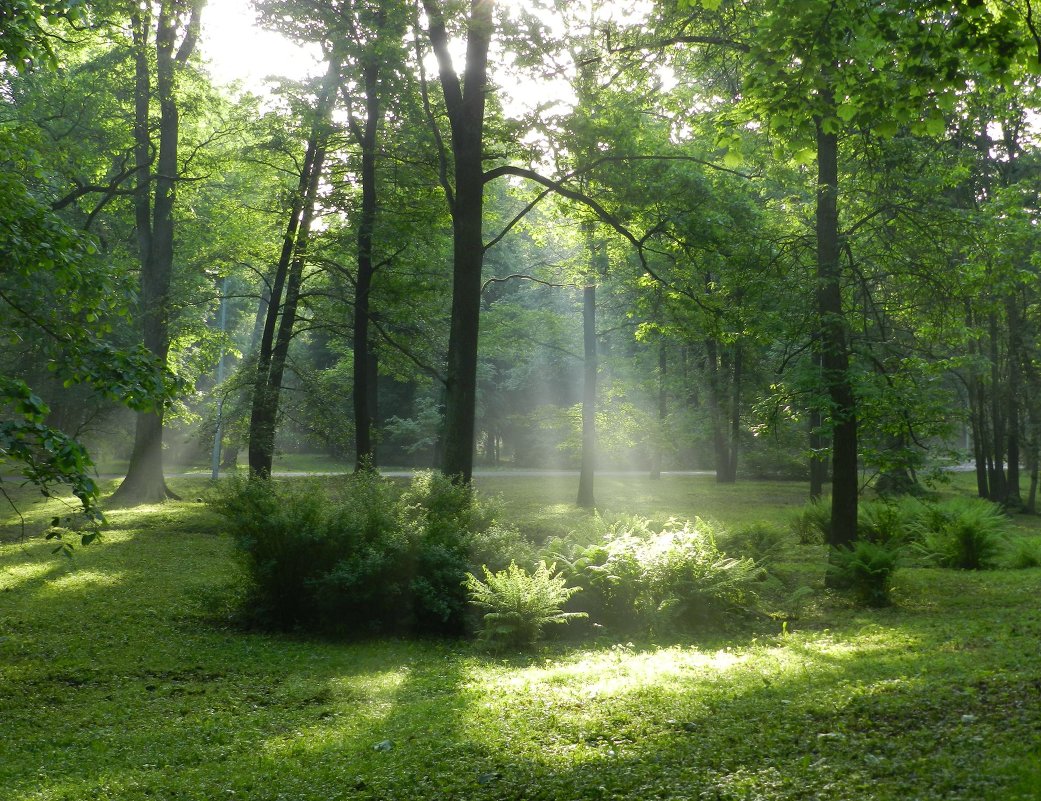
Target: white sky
238,50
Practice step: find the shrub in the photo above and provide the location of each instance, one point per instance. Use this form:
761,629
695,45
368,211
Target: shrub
367,560
1023,554
693,583
761,541
964,533
889,522
866,567
282,529
812,524
520,604
677,576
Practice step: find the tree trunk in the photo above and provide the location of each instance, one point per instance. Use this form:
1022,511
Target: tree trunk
586,498
282,315
662,409
996,446
465,105
720,448
735,414
364,379
144,482
835,346
1014,324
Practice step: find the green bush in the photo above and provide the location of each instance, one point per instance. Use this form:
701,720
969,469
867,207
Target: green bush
812,524
761,541
520,604
692,582
1023,554
866,567
964,533
893,522
638,575
365,560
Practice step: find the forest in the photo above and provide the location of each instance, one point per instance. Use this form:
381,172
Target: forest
520,400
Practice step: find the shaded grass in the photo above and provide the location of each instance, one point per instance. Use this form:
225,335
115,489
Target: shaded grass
121,678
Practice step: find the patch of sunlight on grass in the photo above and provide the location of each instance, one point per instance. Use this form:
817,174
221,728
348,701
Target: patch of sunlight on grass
80,580
15,575
615,673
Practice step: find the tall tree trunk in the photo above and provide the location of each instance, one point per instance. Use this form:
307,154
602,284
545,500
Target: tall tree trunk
1014,325
464,102
663,409
364,360
145,482
281,314
996,446
835,345
735,413
720,448
586,498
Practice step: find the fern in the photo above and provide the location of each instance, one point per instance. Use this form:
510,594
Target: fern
520,604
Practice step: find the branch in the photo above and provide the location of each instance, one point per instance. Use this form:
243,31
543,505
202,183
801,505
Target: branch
512,223
439,142
504,279
683,39
602,214
191,36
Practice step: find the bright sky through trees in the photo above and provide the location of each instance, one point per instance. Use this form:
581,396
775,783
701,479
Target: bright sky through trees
237,49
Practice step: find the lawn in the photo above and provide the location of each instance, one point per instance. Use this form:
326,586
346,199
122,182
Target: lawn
123,677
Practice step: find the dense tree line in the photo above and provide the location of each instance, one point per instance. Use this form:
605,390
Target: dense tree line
787,238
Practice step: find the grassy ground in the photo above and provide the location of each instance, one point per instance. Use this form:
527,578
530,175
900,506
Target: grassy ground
121,678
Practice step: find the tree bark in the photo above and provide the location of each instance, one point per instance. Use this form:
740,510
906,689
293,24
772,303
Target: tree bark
835,346
662,409
586,498
464,102
364,384
145,482
281,314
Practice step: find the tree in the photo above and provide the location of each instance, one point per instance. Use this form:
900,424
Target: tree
154,214
464,100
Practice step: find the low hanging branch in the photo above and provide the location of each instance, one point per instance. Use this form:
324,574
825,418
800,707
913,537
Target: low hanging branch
639,244
523,277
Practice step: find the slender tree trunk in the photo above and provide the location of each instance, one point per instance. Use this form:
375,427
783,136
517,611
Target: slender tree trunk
364,380
662,409
835,346
735,414
288,275
996,465
585,480
720,449
1014,324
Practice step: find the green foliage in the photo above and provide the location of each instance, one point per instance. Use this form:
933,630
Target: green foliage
762,541
366,559
866,567
1023,554
674,576
811,524
169,685
520,604
963,533
889,522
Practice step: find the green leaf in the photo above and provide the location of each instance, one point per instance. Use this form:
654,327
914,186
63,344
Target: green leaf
806,155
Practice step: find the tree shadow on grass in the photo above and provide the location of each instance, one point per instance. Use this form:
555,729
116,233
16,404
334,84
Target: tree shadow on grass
122,691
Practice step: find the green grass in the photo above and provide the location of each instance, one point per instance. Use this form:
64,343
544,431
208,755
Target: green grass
121,677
